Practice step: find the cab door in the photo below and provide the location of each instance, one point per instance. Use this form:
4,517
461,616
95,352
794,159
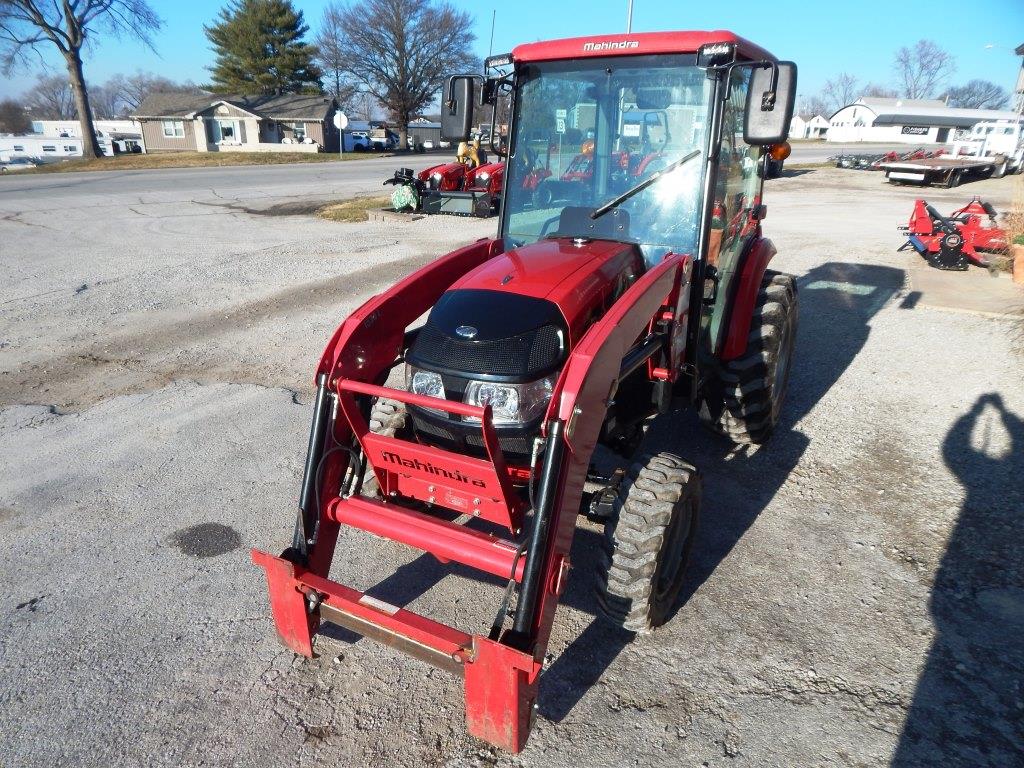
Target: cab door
737,190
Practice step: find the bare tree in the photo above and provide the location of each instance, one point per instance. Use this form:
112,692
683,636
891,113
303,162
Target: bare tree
14,117
815,105
922,70
51,98
840,91
106,99
401,51
978,94
330,57
25,25
135,88
874,89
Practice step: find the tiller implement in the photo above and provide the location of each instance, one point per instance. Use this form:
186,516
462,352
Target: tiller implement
952,242
639,288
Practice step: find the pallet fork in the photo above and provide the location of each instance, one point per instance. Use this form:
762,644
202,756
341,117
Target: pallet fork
501,668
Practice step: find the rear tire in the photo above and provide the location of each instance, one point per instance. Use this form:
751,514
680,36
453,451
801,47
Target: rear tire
744,403
647,541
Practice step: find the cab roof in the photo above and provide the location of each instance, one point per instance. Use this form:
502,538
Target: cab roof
635,44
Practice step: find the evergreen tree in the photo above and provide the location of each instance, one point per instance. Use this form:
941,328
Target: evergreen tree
260,49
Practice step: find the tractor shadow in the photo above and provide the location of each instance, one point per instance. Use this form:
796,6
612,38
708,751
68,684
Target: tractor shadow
837,302
968,705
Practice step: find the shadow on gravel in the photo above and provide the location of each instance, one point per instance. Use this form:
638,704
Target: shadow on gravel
968,707
837,302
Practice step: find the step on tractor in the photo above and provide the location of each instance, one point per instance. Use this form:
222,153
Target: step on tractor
471,435
954,242
468,186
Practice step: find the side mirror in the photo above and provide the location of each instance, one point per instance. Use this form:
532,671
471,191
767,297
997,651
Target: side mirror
770,102
457,108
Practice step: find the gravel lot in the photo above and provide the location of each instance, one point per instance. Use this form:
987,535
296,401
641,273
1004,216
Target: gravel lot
857,594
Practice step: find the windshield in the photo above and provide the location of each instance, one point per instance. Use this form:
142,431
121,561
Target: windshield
587,131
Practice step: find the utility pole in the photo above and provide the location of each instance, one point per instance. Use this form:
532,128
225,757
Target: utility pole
629,18
490,48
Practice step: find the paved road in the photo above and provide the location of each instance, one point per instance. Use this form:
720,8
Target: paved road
857,590
257,186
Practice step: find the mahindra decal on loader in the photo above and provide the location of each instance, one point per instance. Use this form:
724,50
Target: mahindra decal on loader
635,289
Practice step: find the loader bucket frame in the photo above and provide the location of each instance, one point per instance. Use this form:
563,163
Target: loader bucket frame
501,670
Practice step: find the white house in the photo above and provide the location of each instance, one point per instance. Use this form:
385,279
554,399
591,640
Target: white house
804,127
908,121
39,147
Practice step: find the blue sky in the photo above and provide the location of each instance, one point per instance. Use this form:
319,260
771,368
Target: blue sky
824,38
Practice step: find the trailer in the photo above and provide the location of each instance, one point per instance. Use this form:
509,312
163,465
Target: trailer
941,171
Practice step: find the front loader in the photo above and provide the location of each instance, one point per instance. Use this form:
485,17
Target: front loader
587,317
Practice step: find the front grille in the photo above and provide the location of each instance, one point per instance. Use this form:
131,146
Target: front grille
469,440
528,353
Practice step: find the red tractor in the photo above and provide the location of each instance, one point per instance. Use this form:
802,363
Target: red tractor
470,435
469,185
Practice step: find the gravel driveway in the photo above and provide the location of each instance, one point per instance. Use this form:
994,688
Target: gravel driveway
857,593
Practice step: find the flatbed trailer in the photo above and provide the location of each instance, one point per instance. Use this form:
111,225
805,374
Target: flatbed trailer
942,171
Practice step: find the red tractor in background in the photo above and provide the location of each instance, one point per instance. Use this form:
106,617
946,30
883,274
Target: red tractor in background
470,434
467,186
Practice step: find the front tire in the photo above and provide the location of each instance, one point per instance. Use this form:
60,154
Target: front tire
388,418
745,401
647,541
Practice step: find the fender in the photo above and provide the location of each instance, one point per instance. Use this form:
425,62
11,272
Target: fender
759,253
580,400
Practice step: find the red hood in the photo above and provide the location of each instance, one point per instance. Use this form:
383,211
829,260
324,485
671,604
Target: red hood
577,278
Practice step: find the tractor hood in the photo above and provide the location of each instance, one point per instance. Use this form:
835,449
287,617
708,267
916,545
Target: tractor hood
575,276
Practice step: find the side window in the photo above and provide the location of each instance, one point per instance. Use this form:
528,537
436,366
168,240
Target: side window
737,190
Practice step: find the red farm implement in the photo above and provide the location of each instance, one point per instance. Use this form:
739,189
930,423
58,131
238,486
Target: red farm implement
952,242
579,325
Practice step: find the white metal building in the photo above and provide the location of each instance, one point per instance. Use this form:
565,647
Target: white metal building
909,121
39,147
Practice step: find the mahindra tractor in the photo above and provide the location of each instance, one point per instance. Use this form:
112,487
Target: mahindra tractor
459,411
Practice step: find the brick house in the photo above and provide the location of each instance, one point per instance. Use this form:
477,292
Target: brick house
190,122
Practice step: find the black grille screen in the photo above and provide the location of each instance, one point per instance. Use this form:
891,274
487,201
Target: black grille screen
528,353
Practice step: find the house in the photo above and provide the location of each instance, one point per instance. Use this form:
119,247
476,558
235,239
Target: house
910,121
807,127
189,122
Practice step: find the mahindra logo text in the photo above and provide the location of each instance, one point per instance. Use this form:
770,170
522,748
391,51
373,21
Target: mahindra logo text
426,466
613,46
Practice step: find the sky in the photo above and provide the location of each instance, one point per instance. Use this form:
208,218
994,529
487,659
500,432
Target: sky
823,38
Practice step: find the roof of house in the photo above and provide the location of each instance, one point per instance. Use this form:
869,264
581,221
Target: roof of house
288,106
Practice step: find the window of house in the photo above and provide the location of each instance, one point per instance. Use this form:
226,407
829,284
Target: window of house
19,147
174,129
226,132
49,148
70,148
298,130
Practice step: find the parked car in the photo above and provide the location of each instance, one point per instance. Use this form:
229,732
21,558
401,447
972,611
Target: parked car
428,144
358,141
381,144
16,164
442,144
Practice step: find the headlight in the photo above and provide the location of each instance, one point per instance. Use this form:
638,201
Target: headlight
511,403
435,180
483,177
425,383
